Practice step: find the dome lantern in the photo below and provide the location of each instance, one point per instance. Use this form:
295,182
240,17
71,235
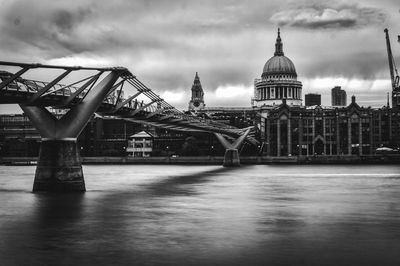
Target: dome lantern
278,45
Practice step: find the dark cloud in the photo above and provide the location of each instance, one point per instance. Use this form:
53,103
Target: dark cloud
329,15
227,41
67,20
55,28
41,26
362,65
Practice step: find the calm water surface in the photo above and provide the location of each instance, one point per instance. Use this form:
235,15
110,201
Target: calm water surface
205,215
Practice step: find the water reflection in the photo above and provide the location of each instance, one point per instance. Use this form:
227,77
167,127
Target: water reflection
54,210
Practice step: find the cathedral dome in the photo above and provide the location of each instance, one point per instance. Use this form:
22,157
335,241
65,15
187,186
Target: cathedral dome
278,83
279,64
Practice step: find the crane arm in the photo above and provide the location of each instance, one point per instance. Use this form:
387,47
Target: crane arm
391,61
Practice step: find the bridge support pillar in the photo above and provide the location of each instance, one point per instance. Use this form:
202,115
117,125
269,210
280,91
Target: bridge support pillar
59,167
231,158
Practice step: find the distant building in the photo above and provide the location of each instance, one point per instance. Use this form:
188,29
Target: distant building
18,137
278,81
395,95
140,145
339,96
350,130
197,100
312,99
103,137
100,137
286,128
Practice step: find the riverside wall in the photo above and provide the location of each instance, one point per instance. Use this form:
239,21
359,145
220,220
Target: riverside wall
218,160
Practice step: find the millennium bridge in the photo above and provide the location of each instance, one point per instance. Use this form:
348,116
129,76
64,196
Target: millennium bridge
112,92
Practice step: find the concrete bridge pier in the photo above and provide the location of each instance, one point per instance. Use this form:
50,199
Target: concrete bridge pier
59,165
231,157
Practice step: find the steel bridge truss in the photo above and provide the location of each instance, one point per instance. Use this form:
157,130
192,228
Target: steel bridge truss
155,111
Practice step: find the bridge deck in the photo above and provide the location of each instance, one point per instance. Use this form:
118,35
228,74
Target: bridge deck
144,106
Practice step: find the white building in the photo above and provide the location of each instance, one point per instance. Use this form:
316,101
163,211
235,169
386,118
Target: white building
140,145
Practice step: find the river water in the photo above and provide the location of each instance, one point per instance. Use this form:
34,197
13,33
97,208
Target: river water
205,215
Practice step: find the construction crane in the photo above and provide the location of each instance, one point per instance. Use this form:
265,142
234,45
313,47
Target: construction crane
393,71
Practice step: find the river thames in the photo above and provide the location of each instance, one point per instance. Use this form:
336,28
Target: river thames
205,215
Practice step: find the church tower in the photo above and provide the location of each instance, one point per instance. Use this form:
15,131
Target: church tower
197,100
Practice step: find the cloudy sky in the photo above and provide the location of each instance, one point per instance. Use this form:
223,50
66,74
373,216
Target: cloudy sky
332,43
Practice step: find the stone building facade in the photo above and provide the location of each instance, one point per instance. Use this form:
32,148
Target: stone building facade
309,131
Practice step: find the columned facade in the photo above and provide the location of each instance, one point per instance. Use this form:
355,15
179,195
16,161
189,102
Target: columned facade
289,134
311,131
278,81
278,134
